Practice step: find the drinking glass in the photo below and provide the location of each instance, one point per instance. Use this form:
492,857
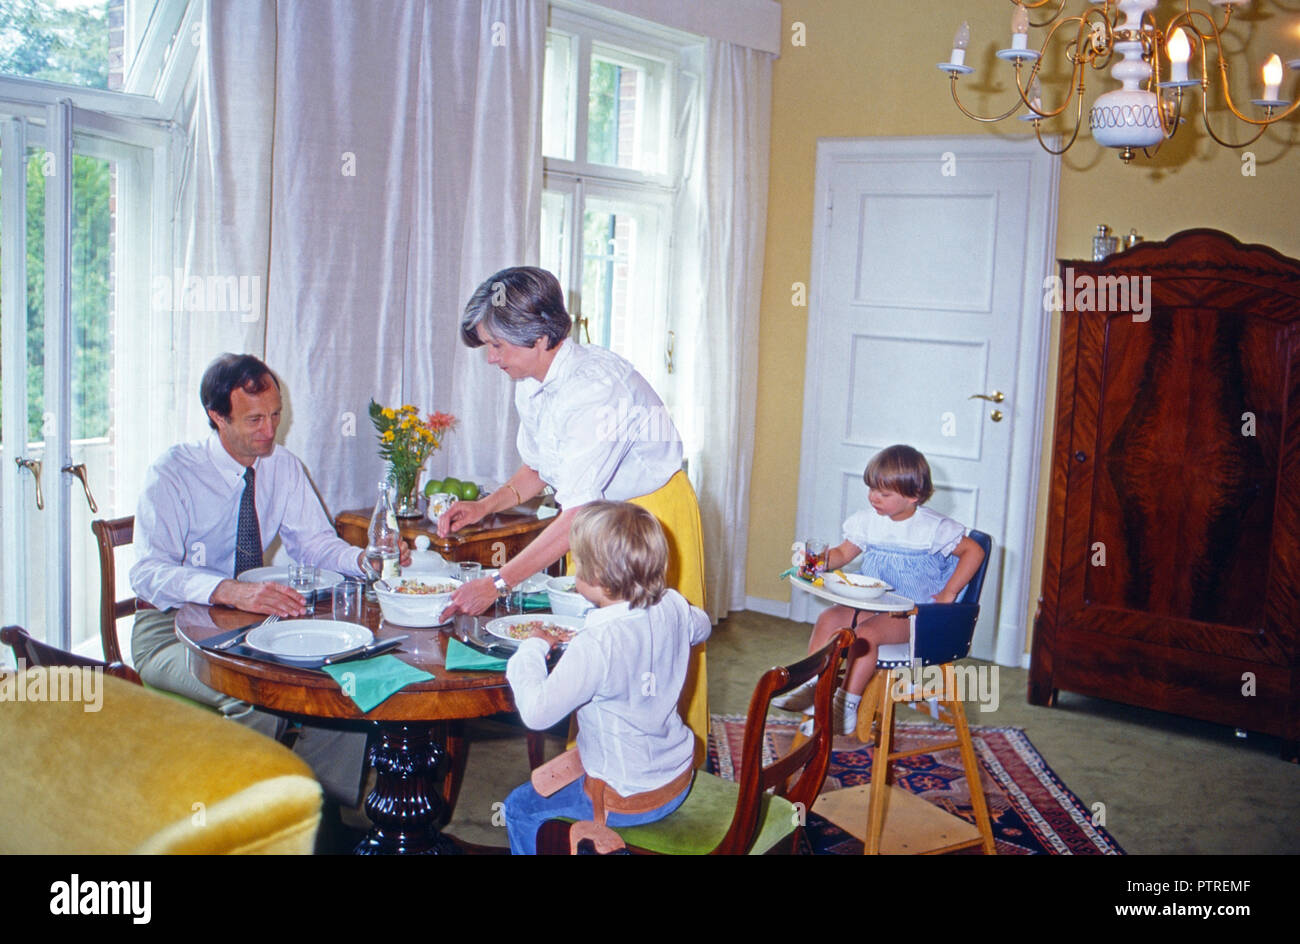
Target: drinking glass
470,570
349,600
814,556
303,578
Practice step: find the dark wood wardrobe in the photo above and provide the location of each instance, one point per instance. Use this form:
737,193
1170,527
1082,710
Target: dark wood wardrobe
1172,571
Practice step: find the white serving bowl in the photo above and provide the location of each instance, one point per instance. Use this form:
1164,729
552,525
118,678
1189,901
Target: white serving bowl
415,609
565,600
857,586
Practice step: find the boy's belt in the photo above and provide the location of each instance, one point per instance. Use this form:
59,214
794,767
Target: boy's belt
605,799
563,770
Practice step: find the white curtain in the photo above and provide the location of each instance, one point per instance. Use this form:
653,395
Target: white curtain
718,268
371,162
224,203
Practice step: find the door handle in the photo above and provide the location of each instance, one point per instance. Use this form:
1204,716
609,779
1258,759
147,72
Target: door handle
34,467
997,397
579,323
580,327
79,470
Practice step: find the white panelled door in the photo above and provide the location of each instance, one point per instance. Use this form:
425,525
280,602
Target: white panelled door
929,256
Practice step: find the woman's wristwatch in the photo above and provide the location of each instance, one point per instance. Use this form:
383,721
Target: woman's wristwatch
502,588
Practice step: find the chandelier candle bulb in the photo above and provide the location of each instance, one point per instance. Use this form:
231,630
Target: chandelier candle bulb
960,42
1036,95
1020,27
1272,77
1180,50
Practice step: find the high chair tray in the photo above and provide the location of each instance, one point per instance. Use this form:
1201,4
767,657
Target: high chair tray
885,603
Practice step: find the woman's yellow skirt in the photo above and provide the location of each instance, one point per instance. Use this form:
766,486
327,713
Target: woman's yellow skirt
678,512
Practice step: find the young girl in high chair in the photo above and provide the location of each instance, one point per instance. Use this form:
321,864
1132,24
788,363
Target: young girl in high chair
924,555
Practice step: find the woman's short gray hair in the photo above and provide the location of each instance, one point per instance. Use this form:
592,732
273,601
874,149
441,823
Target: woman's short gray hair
518,306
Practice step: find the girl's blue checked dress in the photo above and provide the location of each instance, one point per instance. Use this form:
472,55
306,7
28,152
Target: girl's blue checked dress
914,556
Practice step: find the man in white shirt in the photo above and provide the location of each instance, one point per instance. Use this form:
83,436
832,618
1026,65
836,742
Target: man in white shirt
208,511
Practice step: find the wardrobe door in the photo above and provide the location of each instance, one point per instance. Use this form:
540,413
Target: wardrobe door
1179,569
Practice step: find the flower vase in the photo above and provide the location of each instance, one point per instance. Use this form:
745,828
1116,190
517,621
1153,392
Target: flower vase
408,497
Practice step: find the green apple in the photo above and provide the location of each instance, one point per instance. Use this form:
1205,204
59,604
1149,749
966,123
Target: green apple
432,487
468,491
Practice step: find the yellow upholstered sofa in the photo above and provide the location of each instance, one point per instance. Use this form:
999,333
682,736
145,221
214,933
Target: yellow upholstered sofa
140,772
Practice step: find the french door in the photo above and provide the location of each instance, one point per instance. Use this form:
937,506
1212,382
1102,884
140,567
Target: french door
80,235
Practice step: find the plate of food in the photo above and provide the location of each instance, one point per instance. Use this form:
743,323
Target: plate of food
857,586
515,629
308,640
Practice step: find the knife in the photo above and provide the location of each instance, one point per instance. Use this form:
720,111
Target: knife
238,637
365,652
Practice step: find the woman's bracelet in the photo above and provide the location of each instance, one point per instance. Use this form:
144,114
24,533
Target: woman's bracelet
519,499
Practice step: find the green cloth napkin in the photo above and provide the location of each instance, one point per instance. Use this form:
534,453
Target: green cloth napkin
369,681
461,658
536,601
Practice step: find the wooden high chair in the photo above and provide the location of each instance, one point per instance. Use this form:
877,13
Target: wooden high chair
941,634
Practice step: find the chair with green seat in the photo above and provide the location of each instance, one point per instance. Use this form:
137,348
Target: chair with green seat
724,817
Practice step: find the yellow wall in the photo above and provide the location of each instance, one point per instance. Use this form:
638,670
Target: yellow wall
868,70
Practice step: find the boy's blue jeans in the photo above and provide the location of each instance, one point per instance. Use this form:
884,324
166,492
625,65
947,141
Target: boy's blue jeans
526,810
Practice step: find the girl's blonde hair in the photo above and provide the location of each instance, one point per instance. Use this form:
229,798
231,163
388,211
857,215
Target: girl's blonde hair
900,469
621,548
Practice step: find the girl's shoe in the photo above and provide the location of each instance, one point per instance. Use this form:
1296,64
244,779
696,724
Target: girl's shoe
797,699
844,720
844,717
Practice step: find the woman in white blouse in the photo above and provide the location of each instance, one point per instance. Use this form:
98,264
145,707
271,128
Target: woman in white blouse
590,426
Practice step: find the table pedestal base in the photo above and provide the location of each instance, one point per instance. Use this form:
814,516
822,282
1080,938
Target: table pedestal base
406,805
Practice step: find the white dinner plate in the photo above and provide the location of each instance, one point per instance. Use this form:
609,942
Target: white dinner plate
308,639
501,626
324,581
534,584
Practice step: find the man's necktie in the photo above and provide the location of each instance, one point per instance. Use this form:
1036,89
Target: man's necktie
248,536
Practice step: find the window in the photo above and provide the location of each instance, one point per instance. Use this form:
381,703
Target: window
99,44
612,163
88,345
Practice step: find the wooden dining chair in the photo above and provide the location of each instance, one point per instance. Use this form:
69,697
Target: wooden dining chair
35,653
110,534
726,817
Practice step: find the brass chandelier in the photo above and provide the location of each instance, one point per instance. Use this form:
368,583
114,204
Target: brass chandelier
1149,107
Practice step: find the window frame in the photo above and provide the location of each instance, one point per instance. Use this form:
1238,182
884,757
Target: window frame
578,180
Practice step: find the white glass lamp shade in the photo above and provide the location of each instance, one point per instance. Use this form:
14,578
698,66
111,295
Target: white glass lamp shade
1126,118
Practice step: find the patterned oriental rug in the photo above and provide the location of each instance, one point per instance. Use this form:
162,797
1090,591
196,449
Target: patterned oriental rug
1033,813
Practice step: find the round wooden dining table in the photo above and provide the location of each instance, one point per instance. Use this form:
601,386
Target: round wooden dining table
415,743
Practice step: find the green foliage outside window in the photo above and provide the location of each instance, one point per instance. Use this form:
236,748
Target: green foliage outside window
66,45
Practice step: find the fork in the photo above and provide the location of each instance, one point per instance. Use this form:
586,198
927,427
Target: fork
239,637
